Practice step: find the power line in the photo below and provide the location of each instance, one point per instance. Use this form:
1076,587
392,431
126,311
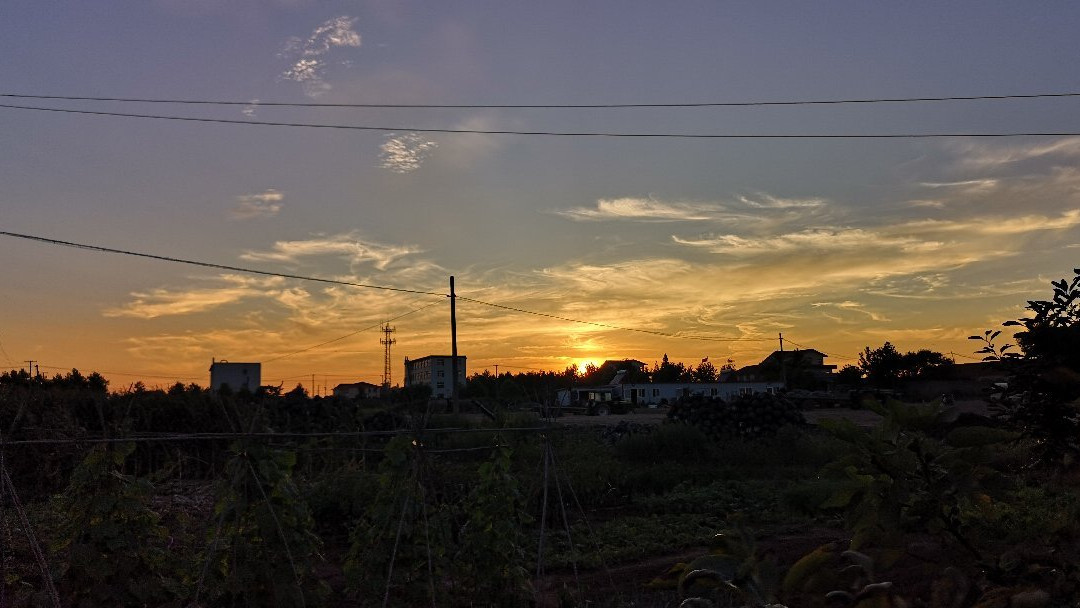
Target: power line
553,106
611,134
137,374
41,239
6,356
609,326
143,438
349,335
835,356
270,273
363,285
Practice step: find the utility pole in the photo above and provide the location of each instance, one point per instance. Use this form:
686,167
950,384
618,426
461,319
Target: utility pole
30,367
783,372
453,341
386,341
314,389
496,382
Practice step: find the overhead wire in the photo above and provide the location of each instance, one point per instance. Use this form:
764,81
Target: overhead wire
549,106
164,258
351,334
145,438
835,356
111,373
611,134
610,326
363,285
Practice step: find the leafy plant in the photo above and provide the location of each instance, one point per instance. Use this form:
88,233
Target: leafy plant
492,554
1042,396
263,548
113,545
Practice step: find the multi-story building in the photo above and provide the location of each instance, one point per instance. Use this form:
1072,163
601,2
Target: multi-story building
434,371
237,376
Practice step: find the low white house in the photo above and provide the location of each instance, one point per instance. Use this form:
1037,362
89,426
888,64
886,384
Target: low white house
237,376
654,394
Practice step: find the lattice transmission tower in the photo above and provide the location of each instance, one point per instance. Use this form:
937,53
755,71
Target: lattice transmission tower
386,341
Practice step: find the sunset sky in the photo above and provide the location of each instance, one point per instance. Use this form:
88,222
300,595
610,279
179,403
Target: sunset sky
836,243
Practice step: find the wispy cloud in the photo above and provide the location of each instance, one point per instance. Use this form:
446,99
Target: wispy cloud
760,209
164,302
982,155
263,204
347,245
307,57
1000,225
849,305
643,209
251,109
767,201
808,242
969,184
465,151
404,153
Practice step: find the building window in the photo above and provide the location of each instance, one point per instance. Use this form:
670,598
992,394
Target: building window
713,391
746,390
440,374
655,392
439,385
771,390
641,392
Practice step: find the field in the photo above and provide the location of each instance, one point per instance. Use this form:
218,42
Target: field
141,499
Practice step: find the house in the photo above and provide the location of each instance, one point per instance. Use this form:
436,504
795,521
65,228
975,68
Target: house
237,376
355,390
434,371
804,368
652,394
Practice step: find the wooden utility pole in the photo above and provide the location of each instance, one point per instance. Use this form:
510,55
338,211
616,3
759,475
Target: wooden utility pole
783,371
453,341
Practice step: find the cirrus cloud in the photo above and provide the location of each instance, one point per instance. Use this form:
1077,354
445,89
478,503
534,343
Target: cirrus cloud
404,153
307,56
263,204
348,245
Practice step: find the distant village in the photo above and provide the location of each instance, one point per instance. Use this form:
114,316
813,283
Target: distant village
615,381
632,383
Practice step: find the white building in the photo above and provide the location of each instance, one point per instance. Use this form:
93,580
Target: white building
434,371
654,394
237,376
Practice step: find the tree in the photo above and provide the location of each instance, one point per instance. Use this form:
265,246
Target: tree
667,371
885,366
881,365
705,372
1042,396
850,374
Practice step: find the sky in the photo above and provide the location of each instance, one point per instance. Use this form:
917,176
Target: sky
692,248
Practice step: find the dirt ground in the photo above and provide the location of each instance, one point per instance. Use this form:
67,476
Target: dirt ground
860,417
628,581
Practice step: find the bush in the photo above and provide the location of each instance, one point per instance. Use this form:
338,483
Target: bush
757,415
672,442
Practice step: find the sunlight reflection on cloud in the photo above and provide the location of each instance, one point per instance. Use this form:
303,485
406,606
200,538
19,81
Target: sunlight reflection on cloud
264,204
306,56
404,153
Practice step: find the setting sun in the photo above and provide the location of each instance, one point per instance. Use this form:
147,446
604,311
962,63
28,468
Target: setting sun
582,364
